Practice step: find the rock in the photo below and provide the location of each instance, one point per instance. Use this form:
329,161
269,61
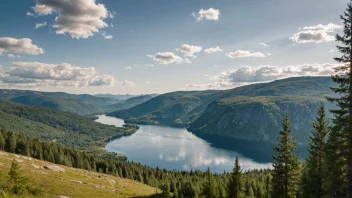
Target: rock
18,160
76,181
112,182
62,196
36,166
55,168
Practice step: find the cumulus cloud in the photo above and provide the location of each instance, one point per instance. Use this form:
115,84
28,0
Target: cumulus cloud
249,75
128,68
315,34
13,45
245,54
264,44
39,25
78,18
29,14
127,83
13,56
210,14
42,74
165,58
213,50
332,50
189,50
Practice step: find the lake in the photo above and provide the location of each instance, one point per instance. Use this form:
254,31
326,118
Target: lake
176,148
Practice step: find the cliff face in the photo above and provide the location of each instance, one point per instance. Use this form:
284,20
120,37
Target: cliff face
259,118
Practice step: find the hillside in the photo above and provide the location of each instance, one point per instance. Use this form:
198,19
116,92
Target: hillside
62,127
80,104
72,182
167,108
259,118
252,112
130,102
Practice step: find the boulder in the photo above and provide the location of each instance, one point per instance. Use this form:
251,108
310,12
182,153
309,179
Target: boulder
54,168
62,196
76,181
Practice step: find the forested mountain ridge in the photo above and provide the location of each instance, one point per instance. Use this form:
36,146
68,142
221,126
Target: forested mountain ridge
65,128
252,112
83,104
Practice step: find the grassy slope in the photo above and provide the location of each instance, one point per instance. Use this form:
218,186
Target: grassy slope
58,183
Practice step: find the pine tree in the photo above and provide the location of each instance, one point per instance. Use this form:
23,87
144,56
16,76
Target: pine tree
340,141
315,167
286,173
209,185
235,187
2,142
17,183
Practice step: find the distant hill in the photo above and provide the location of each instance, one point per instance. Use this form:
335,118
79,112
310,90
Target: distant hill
252,112
83,104
65,128
117,96
166,108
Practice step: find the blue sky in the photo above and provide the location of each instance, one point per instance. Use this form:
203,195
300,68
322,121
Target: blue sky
158,46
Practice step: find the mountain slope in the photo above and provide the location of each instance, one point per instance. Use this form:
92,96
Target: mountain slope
259,118
62,127
166,108
73,182
80,104
130,102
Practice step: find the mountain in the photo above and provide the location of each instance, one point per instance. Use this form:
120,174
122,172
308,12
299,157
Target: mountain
81,104
65,128
131,102
117,97
166,108
252,112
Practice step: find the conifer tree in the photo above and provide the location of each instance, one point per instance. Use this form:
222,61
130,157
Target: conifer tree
235,187
17,183
286,173
315,167
2,142
340,141
209,185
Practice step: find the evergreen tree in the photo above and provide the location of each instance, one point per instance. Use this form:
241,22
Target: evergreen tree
315,167
209,185
235,186
17,183
2,142
340,141
286,173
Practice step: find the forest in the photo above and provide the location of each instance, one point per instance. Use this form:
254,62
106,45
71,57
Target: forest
327,171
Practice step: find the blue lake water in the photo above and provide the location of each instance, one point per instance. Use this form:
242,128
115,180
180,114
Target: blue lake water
175,148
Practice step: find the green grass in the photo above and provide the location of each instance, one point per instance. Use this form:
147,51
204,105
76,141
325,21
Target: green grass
58,183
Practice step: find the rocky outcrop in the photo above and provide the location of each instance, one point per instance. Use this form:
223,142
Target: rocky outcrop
54,168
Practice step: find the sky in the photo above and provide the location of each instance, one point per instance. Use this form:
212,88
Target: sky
158,46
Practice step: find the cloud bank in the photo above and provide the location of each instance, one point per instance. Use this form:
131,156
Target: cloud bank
315,34
24,46
78,18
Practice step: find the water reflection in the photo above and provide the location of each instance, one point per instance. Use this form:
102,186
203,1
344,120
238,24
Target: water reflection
174,148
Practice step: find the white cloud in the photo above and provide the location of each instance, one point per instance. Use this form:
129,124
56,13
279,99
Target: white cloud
13,56
29,14
189,50
326,28
13,45
213,50
332,50
249,75
108,37
149,65
245,54
165,58
315,34
210,14
127,83
42,74
128,68
264,44
78,18
39,25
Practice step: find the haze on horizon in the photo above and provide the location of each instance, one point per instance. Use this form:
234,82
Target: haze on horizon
156,46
